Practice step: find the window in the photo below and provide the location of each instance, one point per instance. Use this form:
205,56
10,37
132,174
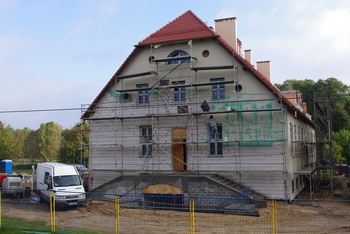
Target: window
205,53
146,141
179,92
295,139
46,178
218,90
63,181
178,53
302,134
215,136
143,94
291,137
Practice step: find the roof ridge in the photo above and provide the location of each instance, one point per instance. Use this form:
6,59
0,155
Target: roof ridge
185,27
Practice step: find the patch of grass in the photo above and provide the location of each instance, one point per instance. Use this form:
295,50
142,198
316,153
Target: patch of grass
21,226
15,225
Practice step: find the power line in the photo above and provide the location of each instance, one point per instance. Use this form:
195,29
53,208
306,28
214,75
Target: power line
40,110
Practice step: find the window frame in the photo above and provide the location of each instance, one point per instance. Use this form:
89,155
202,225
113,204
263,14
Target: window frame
143,96
178,53
145,141
217,90
215,145
179,92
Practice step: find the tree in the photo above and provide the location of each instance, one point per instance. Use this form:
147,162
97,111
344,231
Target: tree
20,137
74,148
340,119
305,87
336,91
31,147
49,141
7,142
337,152
337,94
342,138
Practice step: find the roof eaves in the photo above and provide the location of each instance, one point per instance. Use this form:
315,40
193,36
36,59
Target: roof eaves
174,40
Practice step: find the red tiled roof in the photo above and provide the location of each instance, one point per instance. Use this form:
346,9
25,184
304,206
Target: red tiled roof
185,27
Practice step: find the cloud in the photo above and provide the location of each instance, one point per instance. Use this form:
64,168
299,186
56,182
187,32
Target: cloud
302,39
329,29
318,40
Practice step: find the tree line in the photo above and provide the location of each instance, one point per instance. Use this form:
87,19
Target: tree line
52,143
338,95
48,143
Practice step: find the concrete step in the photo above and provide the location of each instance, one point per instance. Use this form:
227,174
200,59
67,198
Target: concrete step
259,199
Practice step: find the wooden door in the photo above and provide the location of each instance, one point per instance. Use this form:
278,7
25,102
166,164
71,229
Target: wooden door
179,150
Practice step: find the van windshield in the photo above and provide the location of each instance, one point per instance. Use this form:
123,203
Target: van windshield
63,181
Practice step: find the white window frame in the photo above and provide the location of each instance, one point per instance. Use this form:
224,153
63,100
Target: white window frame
179,92
215,145
143,97
146,141
178,53
217,90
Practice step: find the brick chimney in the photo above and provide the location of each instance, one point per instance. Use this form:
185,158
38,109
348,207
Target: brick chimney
227,29
304,108
248,55
264,68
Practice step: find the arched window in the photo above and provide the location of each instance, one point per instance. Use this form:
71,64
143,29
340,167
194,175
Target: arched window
181,54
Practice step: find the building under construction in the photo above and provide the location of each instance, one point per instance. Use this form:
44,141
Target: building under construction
150,133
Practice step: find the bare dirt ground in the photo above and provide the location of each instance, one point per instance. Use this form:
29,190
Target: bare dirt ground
302,216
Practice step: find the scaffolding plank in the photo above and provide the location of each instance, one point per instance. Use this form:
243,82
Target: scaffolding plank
172,58
212,68
214,83
137,75
176,86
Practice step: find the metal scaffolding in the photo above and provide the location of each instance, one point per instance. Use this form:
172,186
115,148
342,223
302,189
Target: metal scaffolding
323,121
252,130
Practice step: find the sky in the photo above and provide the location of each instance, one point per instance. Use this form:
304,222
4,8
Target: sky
57,55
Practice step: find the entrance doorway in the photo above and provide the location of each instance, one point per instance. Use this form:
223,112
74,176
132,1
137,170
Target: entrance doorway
179,149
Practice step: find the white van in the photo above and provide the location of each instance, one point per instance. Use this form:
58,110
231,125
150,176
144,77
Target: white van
61,179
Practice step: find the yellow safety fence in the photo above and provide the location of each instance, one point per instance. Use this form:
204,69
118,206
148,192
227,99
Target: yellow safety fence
52,212
107,213
0,209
